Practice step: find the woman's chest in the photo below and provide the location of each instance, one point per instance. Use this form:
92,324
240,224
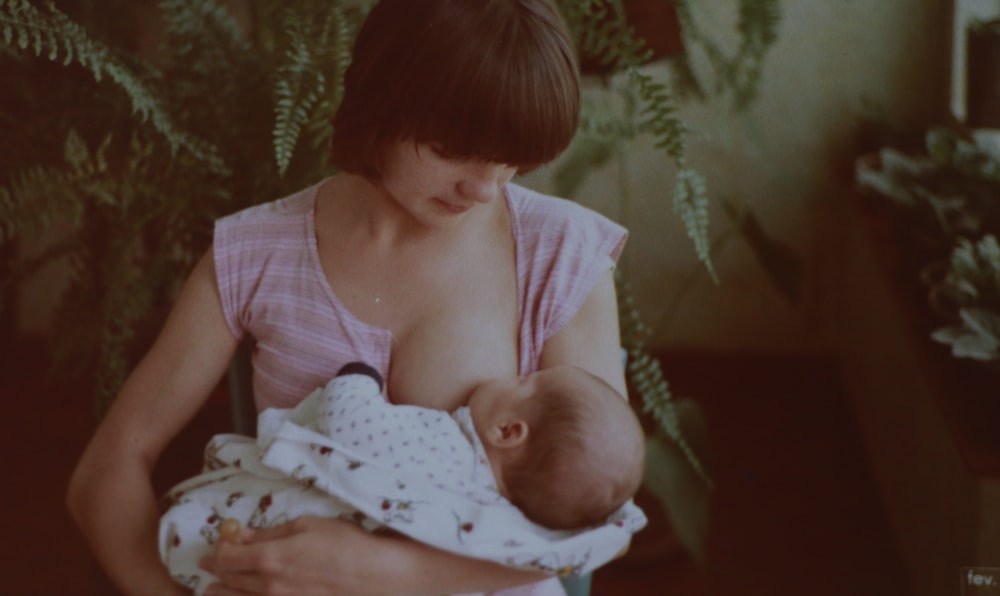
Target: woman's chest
451,329
453,317
433,343
438,359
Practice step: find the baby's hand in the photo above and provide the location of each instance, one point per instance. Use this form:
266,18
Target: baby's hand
230,531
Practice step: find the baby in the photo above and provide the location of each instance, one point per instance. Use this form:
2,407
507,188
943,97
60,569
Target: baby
534,472
564,446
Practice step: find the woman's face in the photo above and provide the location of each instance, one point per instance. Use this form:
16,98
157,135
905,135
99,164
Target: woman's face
435,189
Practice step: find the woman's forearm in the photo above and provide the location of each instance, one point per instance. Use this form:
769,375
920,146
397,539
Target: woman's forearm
314,555
111,496
409,567
116,511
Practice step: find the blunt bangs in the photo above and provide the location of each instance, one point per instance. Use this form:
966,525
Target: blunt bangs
493,80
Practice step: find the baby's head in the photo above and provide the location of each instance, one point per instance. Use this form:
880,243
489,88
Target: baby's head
565,447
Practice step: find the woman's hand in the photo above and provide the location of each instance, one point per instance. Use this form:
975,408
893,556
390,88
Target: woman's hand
307,556
327,556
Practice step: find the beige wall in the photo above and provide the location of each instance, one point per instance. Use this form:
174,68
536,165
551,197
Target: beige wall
789,159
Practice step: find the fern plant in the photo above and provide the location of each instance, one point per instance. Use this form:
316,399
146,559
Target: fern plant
736,75
134,155
602,31
649,107
48,33
110,157
646,380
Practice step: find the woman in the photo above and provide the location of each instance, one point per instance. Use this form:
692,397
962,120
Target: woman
419,257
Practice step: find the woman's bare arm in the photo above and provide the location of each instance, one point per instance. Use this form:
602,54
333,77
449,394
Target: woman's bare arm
591,340
110,494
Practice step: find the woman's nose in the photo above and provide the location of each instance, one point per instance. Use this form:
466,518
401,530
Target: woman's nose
482,182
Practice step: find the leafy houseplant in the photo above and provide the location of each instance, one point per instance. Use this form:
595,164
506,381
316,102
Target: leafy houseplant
948,199
971,289
135,152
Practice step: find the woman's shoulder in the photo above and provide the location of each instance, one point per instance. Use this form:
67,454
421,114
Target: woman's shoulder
295,205
276,233
548,219
529,203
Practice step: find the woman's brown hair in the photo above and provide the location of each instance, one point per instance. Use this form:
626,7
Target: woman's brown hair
493,80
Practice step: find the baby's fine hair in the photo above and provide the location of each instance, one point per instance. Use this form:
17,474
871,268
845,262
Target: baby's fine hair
494,80
565,479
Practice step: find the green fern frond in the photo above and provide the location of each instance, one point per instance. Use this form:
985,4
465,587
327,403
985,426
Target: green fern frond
691,204
36,198
316,40
738,74
659,117
193,18
645,376
299,86
207,53
602,31
344,30
50,34
578,16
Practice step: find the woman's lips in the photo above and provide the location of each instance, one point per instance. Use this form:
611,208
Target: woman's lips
454,209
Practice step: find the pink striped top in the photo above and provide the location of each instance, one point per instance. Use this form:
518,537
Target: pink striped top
272,287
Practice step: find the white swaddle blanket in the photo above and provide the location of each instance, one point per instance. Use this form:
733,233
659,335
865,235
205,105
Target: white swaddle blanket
345,452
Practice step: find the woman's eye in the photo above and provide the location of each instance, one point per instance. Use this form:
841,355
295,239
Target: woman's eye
443,153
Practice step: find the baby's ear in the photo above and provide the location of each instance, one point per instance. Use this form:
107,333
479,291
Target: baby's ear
507,434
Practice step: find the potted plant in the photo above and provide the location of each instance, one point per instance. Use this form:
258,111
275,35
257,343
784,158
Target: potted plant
945,198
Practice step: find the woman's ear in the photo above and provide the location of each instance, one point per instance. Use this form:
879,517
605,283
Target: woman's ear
508,433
